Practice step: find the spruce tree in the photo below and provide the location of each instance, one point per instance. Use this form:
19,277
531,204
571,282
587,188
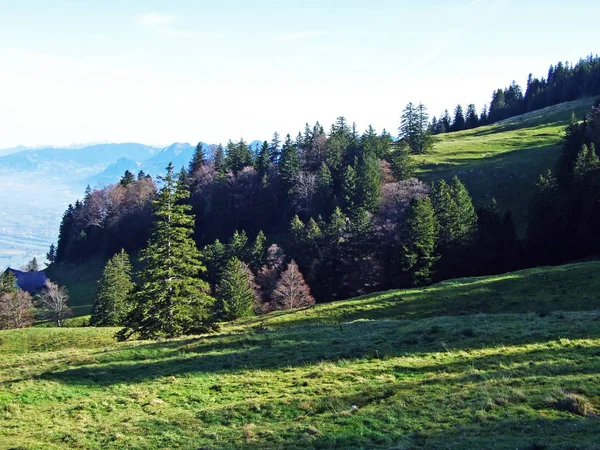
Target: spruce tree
348,192
459,119
263,160
236,291
274,149
400,162
215,258
219,161
127,179
51,255
368,181
198,160
112,301
289,166
172,299
418,242
466,219
258,252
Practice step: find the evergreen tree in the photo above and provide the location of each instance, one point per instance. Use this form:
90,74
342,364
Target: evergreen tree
274,148
414,129
348,193
112,300
472,121
172,300
215,258
127,179
325,192
368,181
418,242
236,291
400,162
198,159
32,266
51,255
263,160
219,160
585,162
237,246
289,166
65,234
459,119
466,219
258,253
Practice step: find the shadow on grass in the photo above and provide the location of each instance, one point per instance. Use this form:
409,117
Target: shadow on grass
533,156
288,348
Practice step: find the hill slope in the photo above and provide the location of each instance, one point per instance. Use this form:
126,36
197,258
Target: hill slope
503,160
403,369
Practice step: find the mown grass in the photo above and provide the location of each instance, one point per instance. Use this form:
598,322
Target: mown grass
505,362
503,160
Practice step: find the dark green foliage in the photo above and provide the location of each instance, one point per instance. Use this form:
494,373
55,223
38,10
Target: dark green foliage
414,129
238,156
368,181
289,166
258,253
401,164
471,120
236,291
418,242
198,160
263,160
8,282
348,189
127,178
585,162
215,258
459,119
219,160
113,300
65,233
547,222
274,148
497,249
325,191
51,255
172,299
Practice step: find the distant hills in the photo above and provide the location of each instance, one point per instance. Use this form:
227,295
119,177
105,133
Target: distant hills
98,164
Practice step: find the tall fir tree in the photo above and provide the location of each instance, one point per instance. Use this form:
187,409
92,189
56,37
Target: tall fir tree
418,242
236,291
172,299
198,159
289,166
263,160
112,301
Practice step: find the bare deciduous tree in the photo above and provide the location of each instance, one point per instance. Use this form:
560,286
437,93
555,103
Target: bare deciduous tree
304,190
291,290
16,310
52,302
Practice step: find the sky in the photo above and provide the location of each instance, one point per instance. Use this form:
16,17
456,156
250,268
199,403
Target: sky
158,72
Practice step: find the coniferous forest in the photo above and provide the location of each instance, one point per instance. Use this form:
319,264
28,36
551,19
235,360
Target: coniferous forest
327,215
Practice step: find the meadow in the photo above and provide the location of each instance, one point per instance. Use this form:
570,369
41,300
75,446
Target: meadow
503,160
508,361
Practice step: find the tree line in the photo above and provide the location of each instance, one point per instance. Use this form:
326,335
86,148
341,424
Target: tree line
337,213
564,82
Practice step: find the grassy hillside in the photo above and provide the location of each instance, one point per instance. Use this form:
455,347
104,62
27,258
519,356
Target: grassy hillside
500,362
503,160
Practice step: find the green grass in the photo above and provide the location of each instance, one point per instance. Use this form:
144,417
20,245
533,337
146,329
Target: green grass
500,362
503,160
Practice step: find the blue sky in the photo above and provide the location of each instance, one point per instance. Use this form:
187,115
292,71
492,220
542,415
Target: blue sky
156,72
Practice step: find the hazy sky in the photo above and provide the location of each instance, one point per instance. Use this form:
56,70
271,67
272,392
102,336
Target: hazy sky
156,72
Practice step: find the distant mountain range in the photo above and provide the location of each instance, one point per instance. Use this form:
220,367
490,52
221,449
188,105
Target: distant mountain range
98,164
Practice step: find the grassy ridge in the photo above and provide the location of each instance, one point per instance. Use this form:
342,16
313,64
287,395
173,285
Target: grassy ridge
503,160
404,369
